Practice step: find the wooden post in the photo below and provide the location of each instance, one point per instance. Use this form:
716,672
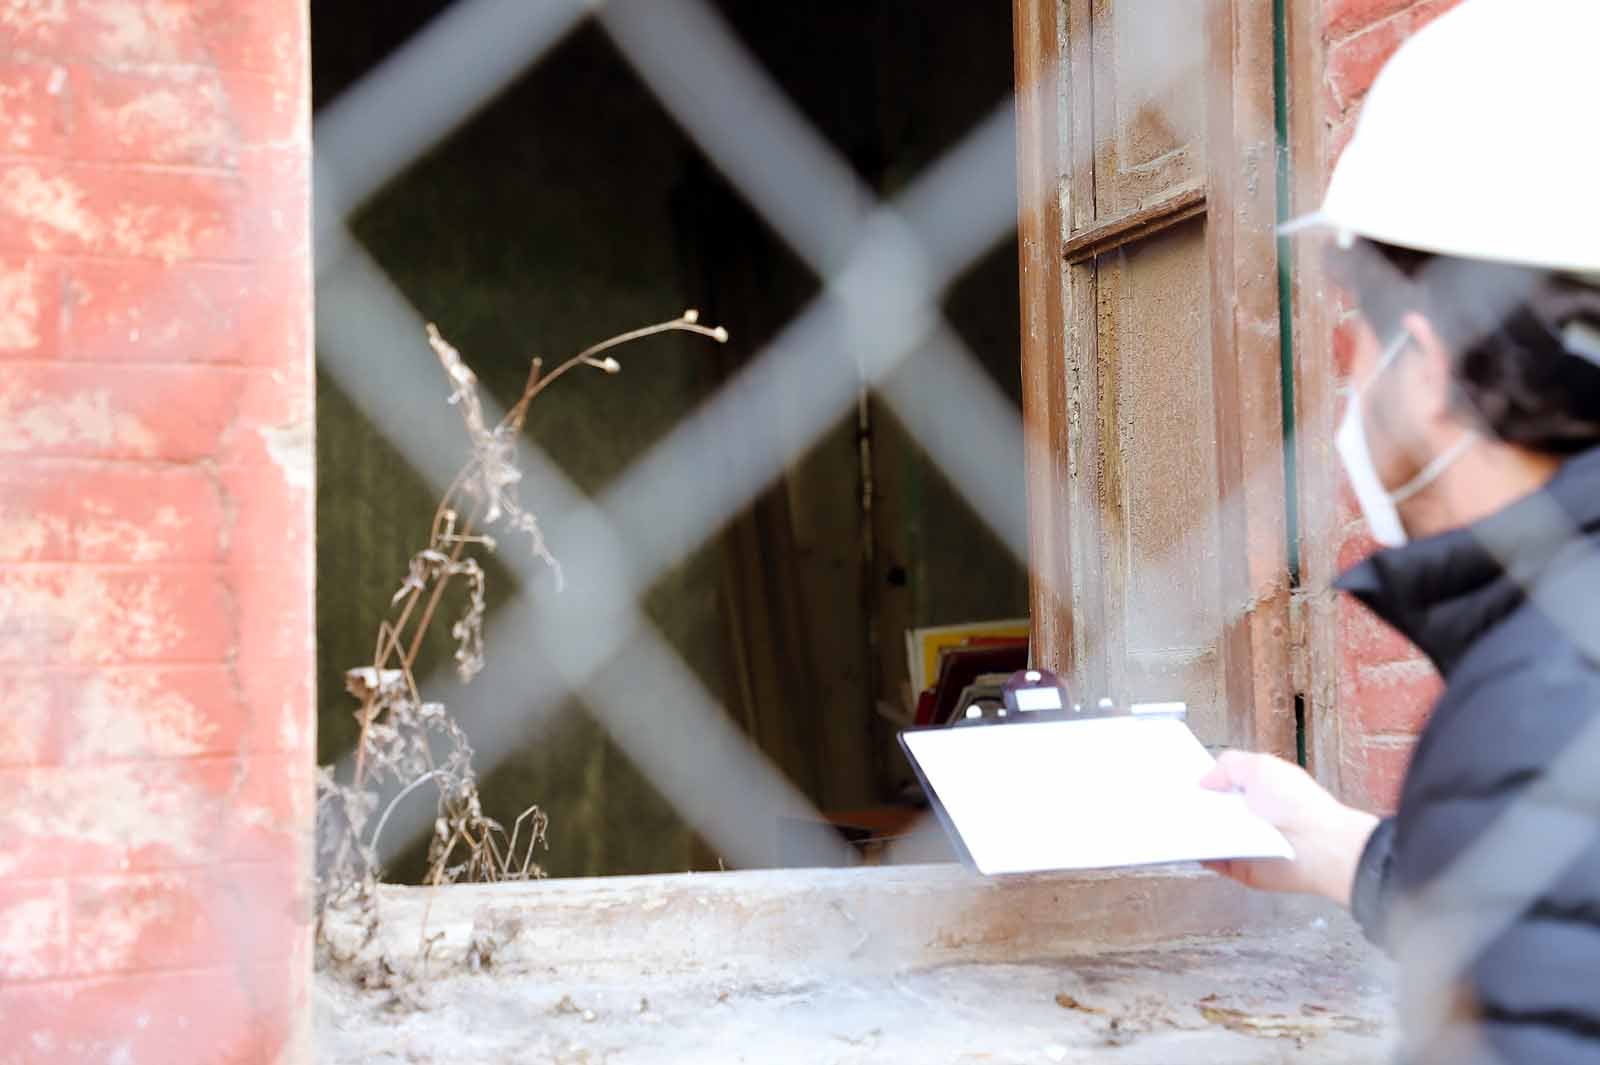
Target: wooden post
1040,188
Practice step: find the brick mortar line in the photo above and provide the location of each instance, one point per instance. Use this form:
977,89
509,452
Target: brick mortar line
8,250
90,61
159,75
99,670
219,757
51,256
1415,665
1389,740
68,669
102,363
13,462
1370,27
156,167
216,565
232,757
265,960
144,874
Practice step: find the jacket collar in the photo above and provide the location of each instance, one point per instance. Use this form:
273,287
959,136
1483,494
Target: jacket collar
1445,591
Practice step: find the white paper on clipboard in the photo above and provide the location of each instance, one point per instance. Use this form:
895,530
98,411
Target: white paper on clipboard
1095,794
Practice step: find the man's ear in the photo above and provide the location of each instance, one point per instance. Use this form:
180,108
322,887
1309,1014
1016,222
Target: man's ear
1431,369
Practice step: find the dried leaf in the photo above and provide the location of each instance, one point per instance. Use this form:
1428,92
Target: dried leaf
365,682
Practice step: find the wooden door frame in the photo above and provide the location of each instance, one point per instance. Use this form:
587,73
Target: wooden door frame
1316,401
1041,174
1239,203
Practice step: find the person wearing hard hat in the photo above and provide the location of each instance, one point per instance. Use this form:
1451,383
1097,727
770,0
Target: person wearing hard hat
1465,225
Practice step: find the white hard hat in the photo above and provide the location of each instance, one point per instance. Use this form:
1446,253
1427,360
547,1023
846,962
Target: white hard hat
1481,139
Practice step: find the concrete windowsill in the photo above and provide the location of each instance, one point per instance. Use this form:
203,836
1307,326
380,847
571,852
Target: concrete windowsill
867,918
866,966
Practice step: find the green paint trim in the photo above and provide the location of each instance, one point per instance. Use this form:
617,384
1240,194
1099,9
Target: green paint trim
1286,362
1280,62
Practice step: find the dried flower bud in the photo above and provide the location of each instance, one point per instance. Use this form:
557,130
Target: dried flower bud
605,365
720,335
691,316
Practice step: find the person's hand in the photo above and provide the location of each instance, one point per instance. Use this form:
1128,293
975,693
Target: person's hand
1327,836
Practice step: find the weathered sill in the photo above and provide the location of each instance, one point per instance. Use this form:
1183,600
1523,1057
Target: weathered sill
866,920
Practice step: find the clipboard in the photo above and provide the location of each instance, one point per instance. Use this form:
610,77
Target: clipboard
1078,789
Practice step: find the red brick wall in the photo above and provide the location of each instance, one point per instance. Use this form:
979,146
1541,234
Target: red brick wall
1385,687
156,494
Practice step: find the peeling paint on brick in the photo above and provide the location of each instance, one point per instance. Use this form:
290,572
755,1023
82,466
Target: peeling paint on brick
110,920
148,230
19,307
29,421
1401,672
105,532
118,810
179,115
292,449
146,29
32,930
17,121
92,616
24,720
166,114
297,726
24,536
156,718
53,205
133,715
30,14
115,515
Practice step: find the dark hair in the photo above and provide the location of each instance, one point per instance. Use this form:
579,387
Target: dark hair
1508,327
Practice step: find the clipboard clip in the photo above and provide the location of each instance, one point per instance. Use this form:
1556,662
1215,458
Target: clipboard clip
1040,695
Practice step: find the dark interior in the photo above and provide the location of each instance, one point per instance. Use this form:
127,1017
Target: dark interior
573,207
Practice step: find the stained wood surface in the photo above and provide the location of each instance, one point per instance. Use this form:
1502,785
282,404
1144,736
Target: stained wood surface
1151,358
1040,191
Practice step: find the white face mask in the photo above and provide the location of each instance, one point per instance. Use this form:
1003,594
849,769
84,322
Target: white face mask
1378,504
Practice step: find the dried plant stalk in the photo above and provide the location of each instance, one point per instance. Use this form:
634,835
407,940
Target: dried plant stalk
413,744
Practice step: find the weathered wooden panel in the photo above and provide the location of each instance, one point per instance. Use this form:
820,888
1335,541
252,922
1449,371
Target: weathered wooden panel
1158,497
1149,113
1172,515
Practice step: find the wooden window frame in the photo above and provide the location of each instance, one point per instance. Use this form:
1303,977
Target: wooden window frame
1239,203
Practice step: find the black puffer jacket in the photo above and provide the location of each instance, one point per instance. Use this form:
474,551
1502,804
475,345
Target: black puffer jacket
1522,686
